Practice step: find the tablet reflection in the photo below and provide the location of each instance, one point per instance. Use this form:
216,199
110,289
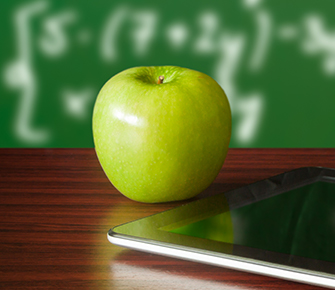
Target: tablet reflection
137,270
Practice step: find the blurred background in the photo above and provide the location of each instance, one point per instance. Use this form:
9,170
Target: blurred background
274,59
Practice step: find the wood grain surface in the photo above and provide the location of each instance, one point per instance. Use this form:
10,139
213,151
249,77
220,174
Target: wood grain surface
56,206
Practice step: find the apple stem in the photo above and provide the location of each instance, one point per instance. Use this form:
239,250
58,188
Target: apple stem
160,80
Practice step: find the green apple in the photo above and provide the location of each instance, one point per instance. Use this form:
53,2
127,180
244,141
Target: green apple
161,133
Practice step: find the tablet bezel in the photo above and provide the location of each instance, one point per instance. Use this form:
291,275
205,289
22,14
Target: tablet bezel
151,234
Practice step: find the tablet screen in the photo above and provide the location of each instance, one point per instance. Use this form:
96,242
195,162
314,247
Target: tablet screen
287,220
283,225
299,222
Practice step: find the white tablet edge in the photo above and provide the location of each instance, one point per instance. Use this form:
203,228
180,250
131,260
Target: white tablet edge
247,266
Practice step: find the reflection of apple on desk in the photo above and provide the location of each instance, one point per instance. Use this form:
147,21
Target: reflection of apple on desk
161,133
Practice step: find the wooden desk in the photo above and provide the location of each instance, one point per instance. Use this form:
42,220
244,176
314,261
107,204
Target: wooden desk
56,206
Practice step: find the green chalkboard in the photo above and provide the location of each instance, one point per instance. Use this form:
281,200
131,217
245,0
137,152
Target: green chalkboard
275,60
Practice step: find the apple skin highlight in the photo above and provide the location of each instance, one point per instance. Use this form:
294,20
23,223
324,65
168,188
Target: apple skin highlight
161,140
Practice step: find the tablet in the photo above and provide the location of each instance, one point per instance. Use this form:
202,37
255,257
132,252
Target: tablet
283,226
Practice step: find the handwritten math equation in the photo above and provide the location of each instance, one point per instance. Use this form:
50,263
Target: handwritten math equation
233,52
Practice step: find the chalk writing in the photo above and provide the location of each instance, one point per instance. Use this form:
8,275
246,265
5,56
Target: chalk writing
207,34
20,75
